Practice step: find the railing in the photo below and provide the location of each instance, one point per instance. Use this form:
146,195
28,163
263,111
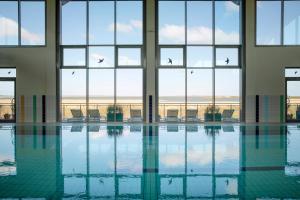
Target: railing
163,107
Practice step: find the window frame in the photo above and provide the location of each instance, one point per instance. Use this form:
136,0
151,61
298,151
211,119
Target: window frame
87,68
20,45
282,35
214,67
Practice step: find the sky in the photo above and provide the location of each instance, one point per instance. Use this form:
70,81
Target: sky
32,23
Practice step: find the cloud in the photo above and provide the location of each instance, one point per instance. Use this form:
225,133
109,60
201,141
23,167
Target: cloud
127,27
231,7
11,30
124,60
196,34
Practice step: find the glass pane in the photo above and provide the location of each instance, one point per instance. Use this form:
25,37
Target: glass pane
33,23
9,23
227,22
171,56
74,57
199,56
74,23
101,91
199,22
7,100
292,72
101,22
227,95
129,57
129,22
199,94
101,57
73,87
293,100
268,22
292,22
171,95
130,94
171,24
227,57
7,72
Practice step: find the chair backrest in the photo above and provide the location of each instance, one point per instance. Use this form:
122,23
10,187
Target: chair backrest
135,113
172,113
76,113
227,113
94,113
191,113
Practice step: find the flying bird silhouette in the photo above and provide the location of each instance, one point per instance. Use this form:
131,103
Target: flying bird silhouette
227,61
73,72
192,72
192,170
170,61
101,181
9,72
296,72
101,60
170,181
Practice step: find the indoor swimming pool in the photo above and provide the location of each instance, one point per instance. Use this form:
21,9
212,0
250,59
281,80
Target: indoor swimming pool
136,161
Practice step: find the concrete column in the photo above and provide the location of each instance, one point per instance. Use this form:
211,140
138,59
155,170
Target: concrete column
150,55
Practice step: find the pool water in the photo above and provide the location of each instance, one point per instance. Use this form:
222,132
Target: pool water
167,161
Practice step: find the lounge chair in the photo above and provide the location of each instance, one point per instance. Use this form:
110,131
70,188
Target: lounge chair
77,116
192,128
136,115
228,128
192,115
94,129
172,115
94,115
135,128
227,115
172,128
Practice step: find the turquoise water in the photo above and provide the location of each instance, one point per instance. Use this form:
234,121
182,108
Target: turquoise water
149,162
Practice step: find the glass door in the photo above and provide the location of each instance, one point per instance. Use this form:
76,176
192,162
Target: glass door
7,100
293,100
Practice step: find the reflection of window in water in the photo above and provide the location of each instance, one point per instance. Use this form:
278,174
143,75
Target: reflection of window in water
293,144
7,151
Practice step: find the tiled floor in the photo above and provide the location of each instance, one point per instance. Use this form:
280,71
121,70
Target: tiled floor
149,162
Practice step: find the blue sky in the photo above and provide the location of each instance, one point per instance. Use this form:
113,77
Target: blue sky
32,21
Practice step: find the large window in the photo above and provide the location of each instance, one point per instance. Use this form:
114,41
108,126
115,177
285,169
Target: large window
22,22
102,60
277,22
199,47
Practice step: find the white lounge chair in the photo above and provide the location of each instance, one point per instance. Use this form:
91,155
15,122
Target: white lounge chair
227,115
192,115
94,115
172,115
77,116
136,115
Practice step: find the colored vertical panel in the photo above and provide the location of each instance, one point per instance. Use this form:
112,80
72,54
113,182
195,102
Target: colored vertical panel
34,111
257,108
44,108
282,104
22,109
266,108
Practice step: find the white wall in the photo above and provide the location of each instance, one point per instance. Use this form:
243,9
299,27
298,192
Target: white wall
36,70
265,68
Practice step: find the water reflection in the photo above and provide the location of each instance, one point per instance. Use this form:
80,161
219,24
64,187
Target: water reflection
149,162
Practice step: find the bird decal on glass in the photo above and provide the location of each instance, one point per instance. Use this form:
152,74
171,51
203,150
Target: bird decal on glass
192,72
73,72
9,72
296,72
101,60
170,61
227,61
170,181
